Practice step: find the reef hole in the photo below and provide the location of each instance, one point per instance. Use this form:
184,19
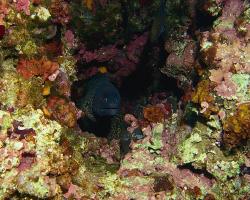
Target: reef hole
135,90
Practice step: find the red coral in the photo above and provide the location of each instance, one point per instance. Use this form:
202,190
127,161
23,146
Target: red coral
42,67
60,11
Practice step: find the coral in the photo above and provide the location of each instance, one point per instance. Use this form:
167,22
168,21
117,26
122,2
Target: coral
199,150
62,110
51,50
242,82
62,85
32,67
212,7
23,5
101,55
153,114
68,66
29,48
135,47
18,92
112,185
132,121
242,23
203,93
226,88
189,152
236,127
42,13
3,10
60,11
27,159
185,143
69,38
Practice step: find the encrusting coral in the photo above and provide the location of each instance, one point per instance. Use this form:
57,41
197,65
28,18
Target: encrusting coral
190,142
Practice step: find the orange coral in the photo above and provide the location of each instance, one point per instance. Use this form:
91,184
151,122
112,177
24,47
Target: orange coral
89,4
203,94
42,67
236,127
62,110
153,114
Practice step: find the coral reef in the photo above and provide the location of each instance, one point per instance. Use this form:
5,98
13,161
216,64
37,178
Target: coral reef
184,134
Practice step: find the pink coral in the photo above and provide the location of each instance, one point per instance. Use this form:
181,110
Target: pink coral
217,76
226,89
107,151
225,86
232,8
69,38
23,5
74,191
227,50
132,121
135,47
27,160
123,61
100,55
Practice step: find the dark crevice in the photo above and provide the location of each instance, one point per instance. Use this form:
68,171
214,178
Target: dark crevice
142,83
204,21
196,171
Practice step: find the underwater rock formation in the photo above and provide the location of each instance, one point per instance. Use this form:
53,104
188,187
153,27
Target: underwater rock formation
185,131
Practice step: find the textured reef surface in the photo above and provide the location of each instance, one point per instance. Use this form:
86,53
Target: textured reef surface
170,120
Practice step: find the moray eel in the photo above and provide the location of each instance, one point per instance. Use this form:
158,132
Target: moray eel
101,98
101,104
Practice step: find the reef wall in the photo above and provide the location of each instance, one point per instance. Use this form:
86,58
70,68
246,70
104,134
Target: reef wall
194,145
